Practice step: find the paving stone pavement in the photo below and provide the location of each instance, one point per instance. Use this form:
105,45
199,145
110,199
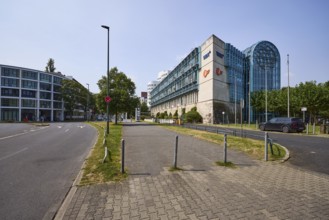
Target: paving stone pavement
254,190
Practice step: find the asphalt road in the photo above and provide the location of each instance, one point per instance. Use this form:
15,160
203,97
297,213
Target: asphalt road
38,166
306,152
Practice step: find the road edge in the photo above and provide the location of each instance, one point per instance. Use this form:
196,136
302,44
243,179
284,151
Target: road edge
59,215
287,156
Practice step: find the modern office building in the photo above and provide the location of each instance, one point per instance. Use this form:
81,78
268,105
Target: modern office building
30,95
217,78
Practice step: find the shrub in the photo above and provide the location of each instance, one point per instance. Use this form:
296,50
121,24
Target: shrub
193,116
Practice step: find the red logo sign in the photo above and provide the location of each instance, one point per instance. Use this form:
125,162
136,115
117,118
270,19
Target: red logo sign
218,71
205,73
108,99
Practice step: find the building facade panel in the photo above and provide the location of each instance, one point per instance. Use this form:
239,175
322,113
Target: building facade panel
30,95
224,79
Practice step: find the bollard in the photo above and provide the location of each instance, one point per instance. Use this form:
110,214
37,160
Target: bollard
307,128
266,139
175,153
105,154
122,156
314,128
225,148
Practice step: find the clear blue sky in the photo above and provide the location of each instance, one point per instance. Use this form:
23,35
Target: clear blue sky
148,36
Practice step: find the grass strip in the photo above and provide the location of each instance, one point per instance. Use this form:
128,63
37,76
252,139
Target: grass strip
254,148
95,171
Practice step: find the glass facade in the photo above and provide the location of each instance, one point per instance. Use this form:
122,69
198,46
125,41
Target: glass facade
182,80
29,95
235,75
234,60
262,72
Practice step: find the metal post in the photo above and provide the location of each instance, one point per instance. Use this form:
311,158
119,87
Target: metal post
88,103
265,94
108,76
175,153
235,100
313,127
225,148
122,156
266,153
306,128
288,87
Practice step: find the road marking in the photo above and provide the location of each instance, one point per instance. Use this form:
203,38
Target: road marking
10,155
67,130
312,152
81,126
15,135
12,136
59,126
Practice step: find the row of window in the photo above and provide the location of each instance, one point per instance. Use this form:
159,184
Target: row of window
5,102
9,82
12,72
29,94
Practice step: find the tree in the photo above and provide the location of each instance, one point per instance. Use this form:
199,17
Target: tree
50,68
121,90
74,96
144,107
193,116
311,96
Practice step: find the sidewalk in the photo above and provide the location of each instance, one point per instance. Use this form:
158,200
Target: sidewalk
254,190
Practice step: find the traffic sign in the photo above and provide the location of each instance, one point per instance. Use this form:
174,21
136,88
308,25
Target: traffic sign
108,99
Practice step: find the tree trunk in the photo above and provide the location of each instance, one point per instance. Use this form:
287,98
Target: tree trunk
116,117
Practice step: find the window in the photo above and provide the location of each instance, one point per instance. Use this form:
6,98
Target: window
57,97
45,86
28,103
45,104
9,102
45,95
9,82
29,93
10,72
57,80
57,88
57,105
9,92
29,75
29,84
45,77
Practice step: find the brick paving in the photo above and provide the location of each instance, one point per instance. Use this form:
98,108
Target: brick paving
254,190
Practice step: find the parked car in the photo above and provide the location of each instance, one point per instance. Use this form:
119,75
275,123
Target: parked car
283,124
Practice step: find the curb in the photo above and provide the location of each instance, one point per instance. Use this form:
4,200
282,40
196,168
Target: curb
69,196
287,156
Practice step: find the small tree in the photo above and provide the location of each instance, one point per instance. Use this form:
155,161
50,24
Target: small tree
193,116
50,68
175,115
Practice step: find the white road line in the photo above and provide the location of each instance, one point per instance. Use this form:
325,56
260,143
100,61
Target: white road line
13,154
12,136
15,135
67,130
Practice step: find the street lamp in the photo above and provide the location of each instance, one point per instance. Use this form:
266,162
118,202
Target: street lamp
88,103
108,71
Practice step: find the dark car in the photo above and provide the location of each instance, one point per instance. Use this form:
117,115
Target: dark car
283,124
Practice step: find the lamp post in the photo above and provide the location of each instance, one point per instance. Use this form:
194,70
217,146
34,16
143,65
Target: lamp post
108,76
235,99
223,116
288,87
88,103
265,94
